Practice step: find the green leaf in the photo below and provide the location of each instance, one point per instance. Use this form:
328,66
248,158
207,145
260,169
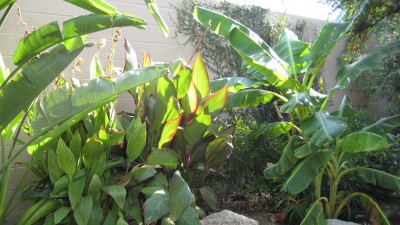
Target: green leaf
118,193
75,191
6,3
95,6
345,109
152,5
305,150
116,137
217,152
303,99
36,42
383,125
96,70
287,160
131,61
304,173
235,84
24,87
273,130
142,174
167,221
49,219
323,127
76,146
83,210
179,196
215,102
379,178
351,72
200,77
376,214
292,50
92,151
194,131
135,211
66,159
61,213
136,143
169,131
96,217
164,157
94,189
250,97
156,207
315,215
55,172
209,196
363,142
182,82
189,217
39,210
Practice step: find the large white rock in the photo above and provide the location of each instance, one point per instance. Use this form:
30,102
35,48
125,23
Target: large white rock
339,222
226,217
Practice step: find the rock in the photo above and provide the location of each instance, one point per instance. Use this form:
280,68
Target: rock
339,222
226,217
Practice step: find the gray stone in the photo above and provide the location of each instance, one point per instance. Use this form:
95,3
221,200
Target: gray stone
226,217
339,222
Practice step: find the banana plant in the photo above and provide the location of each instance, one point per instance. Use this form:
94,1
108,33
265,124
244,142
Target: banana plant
20,88
319,142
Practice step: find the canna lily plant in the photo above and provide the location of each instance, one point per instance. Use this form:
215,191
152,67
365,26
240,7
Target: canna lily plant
58,47
320,143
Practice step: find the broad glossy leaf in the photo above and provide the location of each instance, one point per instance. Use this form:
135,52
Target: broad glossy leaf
156,207
303,99
305,150
287,160
182,82
117,137
379,178
118,193
217,152
87,24
142,174
96,70
159,180
131,61
65,159
6,3
95,6
54,170
87,98
235,84
94,188
61,213
23,88
304,173
377,216
194,131
251,97
169,131
363,142
315,215
83,210
350,72
189,217
272,130
36,42
179,196
322,127
92,151
209,196
345,109
200,77
215,102
136,143
189,101
164,157
152,5
293,51
75,191
383,125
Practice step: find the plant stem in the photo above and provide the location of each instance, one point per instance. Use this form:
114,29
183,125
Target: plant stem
328,98
344,202
278,112
5,15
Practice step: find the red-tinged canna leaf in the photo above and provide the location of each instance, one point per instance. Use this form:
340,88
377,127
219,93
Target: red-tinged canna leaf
182,82
169,131
194,132
189,101
200,77
215,102
217,152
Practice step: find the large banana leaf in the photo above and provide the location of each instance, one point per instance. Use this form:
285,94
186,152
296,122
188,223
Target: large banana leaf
322,127
35,76
305,172
95,6
363,142
376,214
379,178
383,125
273,130
287,160
249,97
350,72
293,51
152,5
50,34
5,3
235,84
315,215
345,109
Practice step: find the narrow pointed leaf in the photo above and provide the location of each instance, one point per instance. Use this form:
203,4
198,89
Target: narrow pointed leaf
75,191
379,178
55,172
315,215
169,131
66,159
351,72
83,210
136,143
95,6
383,125
131,61
305,172
200,77
61,213
118,193
156,206
179,196
363,142
209,196
152,5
